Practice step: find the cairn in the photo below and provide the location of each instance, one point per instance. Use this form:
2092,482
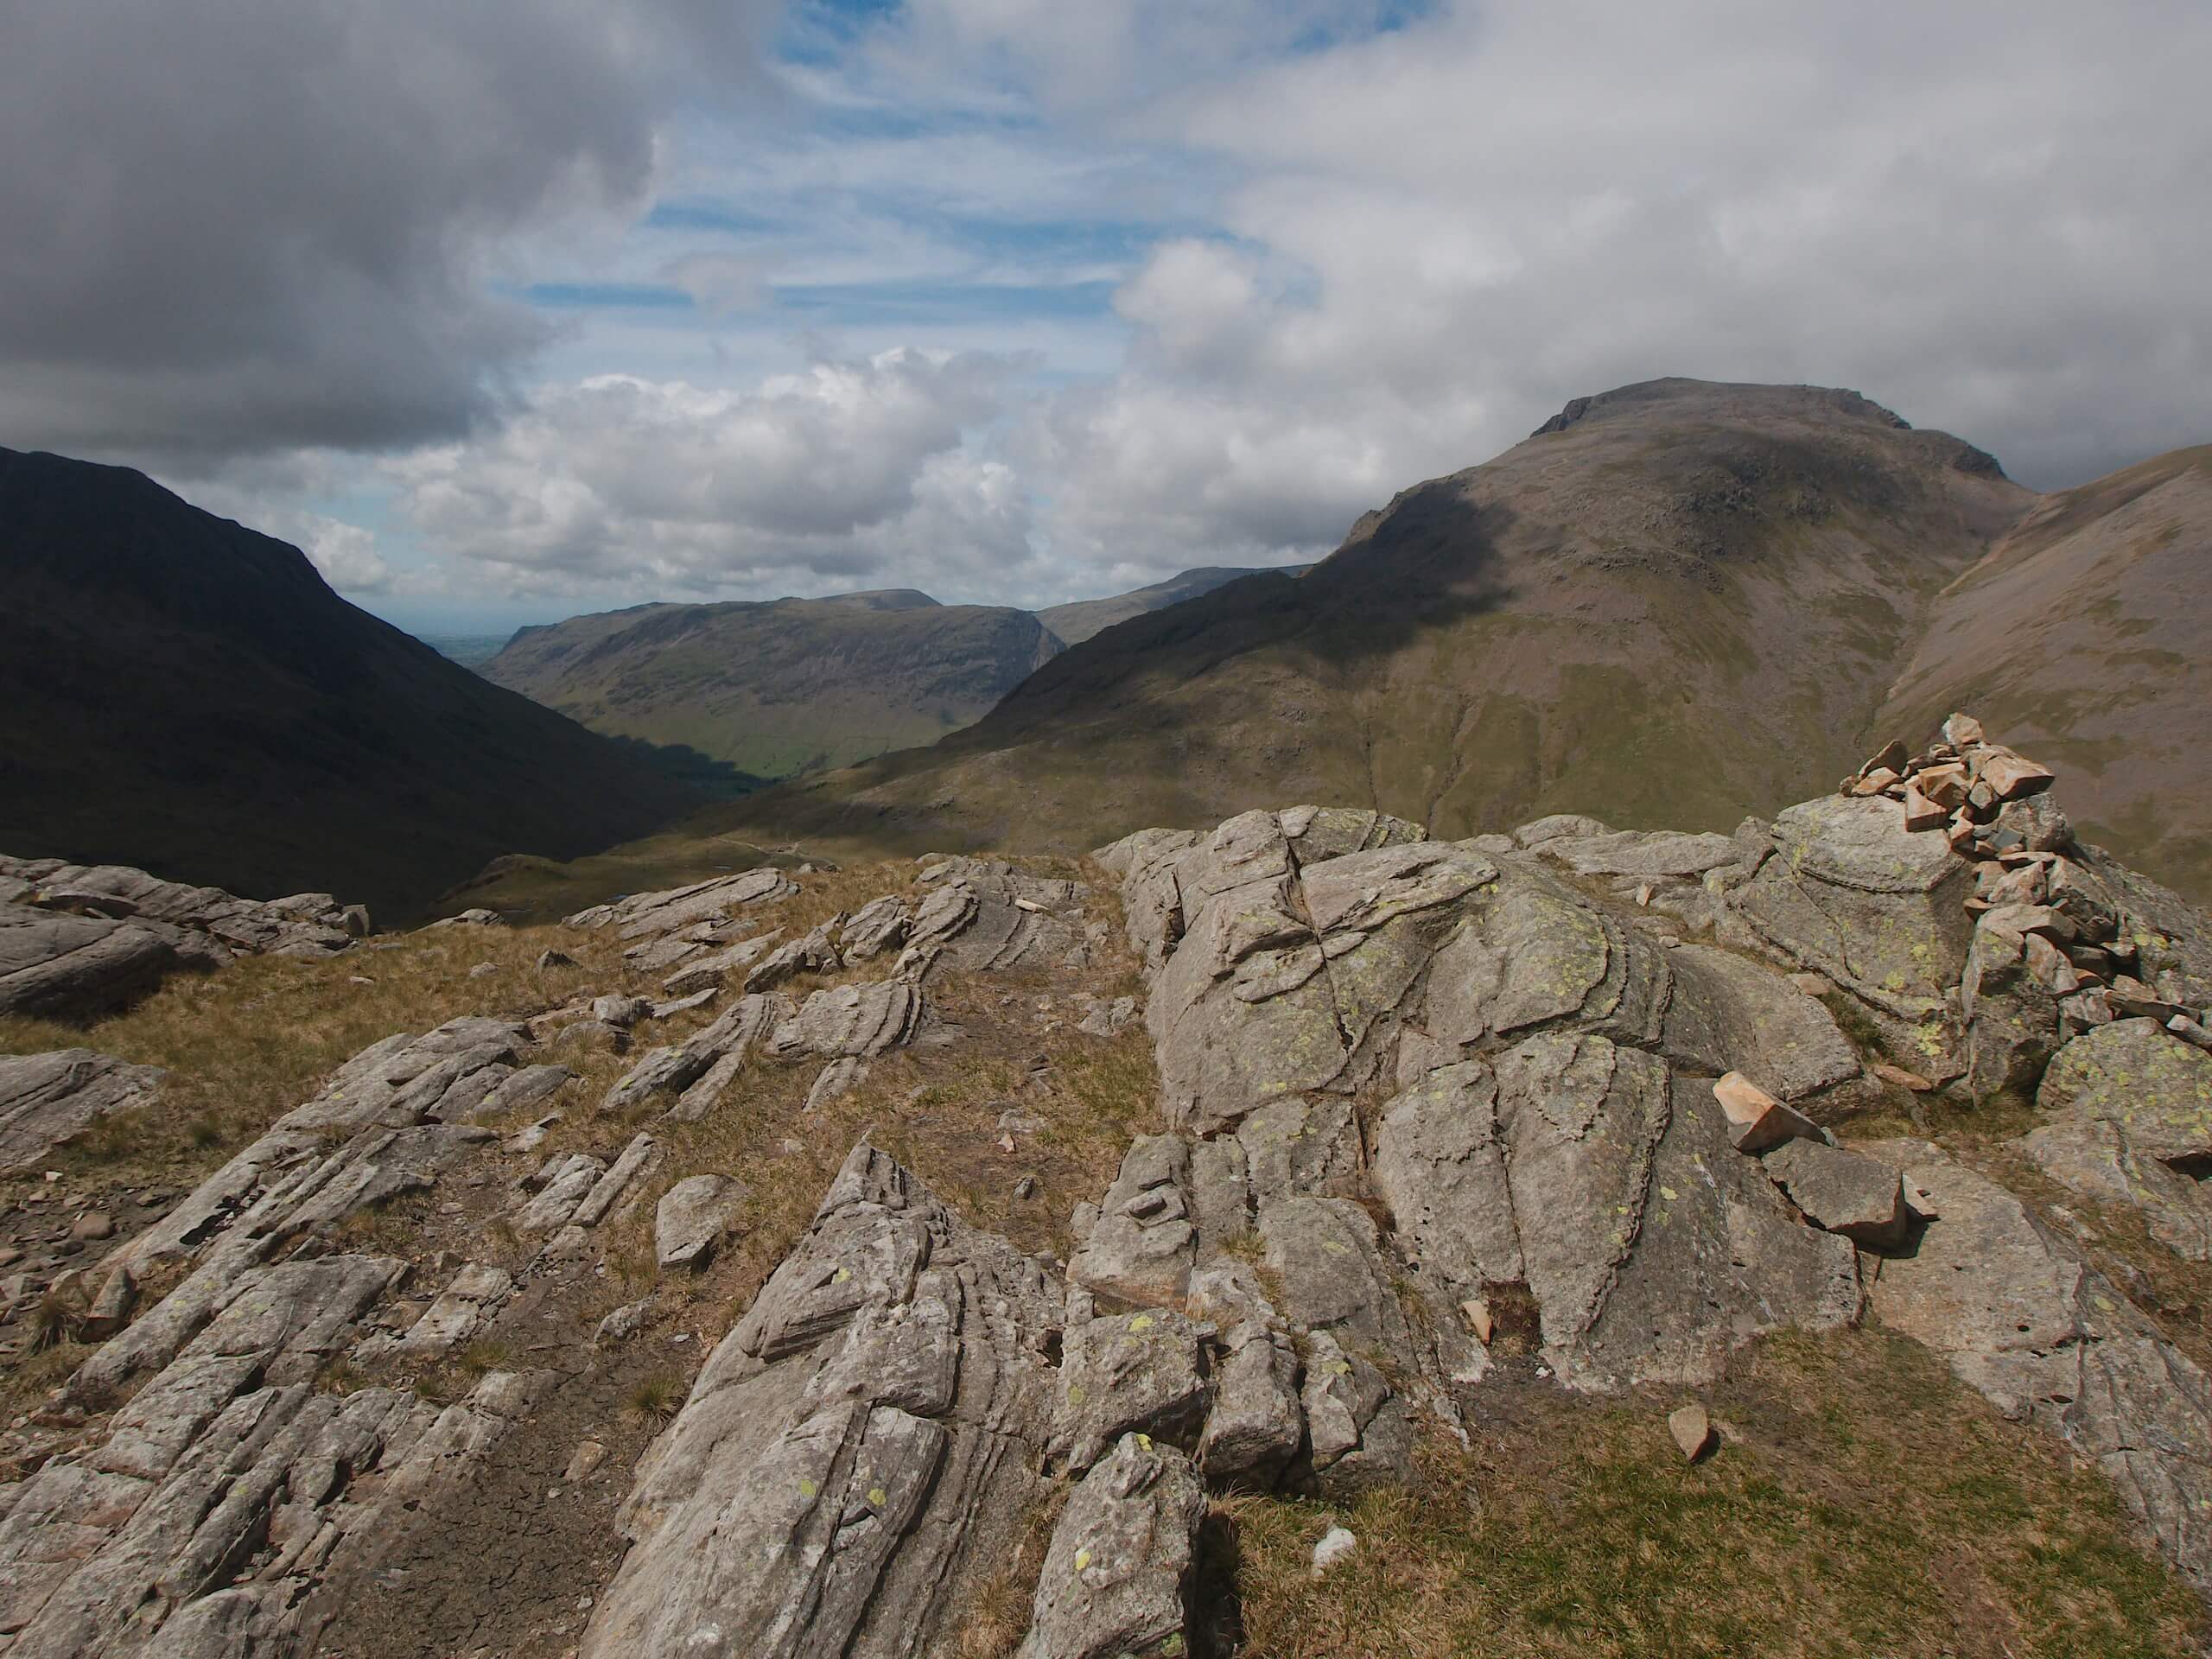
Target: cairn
1992,804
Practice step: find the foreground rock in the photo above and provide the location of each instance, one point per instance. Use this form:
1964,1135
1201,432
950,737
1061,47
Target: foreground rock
1553,1124
2025,1320
859,1451
76,940
1116,1578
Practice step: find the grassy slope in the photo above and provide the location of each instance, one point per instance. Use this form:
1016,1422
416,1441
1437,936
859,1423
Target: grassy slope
779,688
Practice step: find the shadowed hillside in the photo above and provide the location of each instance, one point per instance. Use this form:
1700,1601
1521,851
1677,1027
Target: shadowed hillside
1082,619
189,696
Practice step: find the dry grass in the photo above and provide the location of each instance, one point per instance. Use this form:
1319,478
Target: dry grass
245,1045
1864,1502
994,1623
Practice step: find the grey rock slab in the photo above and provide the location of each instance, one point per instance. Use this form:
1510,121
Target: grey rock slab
1650,854
1117,1576
2022,1318
1123,1373
1143,1244
857,1456
811,953
858,1021
47,1099
524,1090
711,971
1359,1432
571,1181
1328,1257
1726,1014
599,1202
1852,894
1254,1423
878,925
692,1220
2128,1111
68,967
646,915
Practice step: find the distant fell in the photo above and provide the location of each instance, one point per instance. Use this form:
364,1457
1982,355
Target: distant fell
1674,602
188,696
776,688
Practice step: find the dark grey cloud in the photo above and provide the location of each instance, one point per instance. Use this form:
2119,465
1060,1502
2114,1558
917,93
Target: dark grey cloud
240,225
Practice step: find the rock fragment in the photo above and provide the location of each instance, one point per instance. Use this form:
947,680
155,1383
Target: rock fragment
1692,1429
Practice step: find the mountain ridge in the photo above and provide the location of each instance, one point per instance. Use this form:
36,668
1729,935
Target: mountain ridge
1601,613
195,699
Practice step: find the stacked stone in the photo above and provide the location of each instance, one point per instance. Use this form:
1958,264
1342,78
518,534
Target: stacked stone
2032,903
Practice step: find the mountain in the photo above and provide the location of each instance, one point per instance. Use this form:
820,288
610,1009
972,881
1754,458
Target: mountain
1674,602
187,695
1078,621
2085,632
779,687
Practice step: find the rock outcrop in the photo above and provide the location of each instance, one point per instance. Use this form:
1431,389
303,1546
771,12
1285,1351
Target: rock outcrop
1570,1108
856,1450
78,940
47,1099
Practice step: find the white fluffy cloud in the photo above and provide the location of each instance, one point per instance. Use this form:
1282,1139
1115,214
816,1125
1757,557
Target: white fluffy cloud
848,473
1973,212
1351,244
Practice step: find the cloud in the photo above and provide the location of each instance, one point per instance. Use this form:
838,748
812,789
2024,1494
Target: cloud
248,225
347,555
1437,235
848,473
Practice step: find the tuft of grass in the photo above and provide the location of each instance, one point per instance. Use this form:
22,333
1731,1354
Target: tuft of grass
484,1356
1864,1502
656,1397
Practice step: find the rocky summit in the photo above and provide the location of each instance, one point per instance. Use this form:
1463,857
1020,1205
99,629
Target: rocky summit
970,1255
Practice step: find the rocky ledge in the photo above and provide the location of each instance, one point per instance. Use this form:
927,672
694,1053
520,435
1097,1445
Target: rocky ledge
77,940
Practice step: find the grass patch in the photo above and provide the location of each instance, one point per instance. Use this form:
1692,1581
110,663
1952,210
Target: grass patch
245,1045
1865,1503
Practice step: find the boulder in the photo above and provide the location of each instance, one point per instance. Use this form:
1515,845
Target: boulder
858,1454
693,1218
1254,1423
1123,1373
2023,1318
71,967
1117,1574
1842,1191
2127,1112
51,1098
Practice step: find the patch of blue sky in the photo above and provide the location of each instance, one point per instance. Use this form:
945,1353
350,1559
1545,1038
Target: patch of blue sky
608,296
694,213
1381,17
938,303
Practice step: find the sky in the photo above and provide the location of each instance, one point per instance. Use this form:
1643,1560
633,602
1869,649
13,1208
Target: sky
512,309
